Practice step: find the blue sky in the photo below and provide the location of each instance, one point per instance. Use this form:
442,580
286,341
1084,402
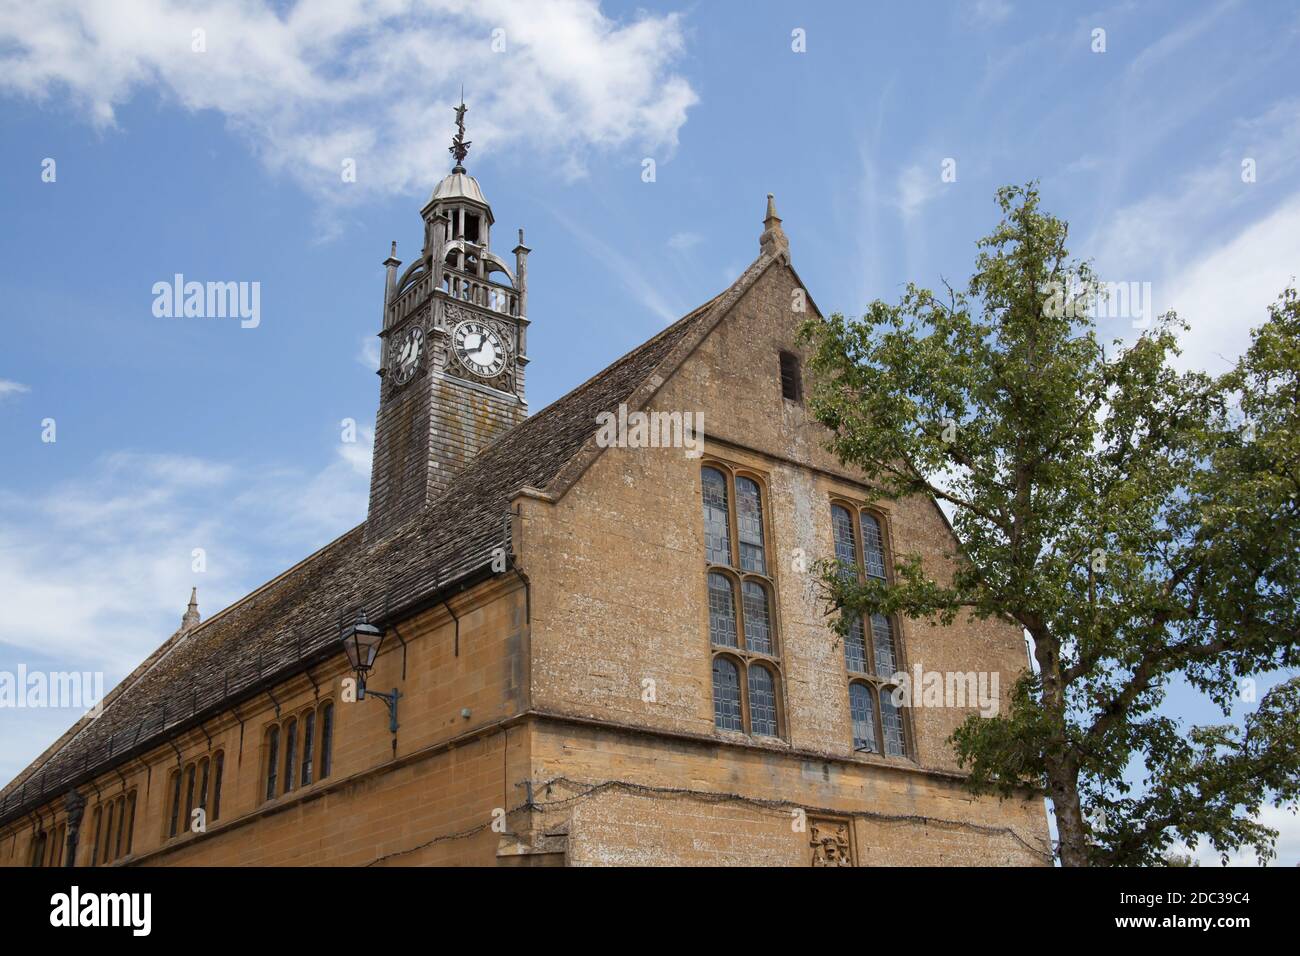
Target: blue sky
224,165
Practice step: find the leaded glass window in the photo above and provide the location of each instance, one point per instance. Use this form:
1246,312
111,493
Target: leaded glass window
722,611
758,619
717,524
855,647
882,637
726,695
863,713
762,701
846,547
741,602
874,546
891,717
749,525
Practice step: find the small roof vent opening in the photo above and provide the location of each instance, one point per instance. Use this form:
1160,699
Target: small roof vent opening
791,379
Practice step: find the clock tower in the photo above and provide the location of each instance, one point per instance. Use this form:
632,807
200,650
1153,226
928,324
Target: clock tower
452,351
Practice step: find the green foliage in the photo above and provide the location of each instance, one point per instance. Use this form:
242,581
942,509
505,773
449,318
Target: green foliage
1141,523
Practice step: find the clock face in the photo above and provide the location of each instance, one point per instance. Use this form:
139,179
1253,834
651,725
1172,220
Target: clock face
479,348
410,349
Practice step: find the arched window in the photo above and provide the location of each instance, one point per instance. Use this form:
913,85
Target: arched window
272,759
109,816
95,831
891,718
114,824
878,725
882,638
176,803
747,675
855,647
308,745
290,753
846,547
56,849
219,764
326,738
749,525
862,710
205,769
726,694
873,546
130,822
189,795
717,524
722,611
762,701
758,618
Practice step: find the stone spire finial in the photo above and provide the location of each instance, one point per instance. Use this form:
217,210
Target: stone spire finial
773,240
191,616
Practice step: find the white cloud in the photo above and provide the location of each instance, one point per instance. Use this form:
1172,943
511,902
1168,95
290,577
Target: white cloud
684,241
917,185
368,80
1284,821
1216,249
97,571
368,353
1226,293
8,388
986,11
630,270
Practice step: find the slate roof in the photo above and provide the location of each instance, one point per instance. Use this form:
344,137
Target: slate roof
293,621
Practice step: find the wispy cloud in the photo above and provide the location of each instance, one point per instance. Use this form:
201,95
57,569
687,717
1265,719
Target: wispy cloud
8,388
368,353
631,273
917,185
371,81
684,241
97,569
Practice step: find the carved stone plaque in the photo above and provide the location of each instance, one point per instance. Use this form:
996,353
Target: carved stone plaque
830,842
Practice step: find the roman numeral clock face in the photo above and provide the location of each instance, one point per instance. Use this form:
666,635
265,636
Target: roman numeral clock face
410,349
479,349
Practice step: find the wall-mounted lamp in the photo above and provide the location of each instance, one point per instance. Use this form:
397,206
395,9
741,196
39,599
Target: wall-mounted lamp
361,641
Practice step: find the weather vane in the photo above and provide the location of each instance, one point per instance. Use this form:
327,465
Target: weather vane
459,145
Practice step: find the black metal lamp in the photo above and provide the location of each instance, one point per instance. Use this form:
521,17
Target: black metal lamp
361,641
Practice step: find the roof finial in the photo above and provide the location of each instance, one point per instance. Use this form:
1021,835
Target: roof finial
773,240
459,145
191,616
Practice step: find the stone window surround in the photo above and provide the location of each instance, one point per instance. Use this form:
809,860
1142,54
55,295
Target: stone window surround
741,656
876,684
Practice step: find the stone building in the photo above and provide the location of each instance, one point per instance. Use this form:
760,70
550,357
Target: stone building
601,639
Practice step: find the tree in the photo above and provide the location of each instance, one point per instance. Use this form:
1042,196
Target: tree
1140,523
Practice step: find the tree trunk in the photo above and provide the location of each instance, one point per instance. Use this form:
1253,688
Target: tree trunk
1062,771
1071,832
